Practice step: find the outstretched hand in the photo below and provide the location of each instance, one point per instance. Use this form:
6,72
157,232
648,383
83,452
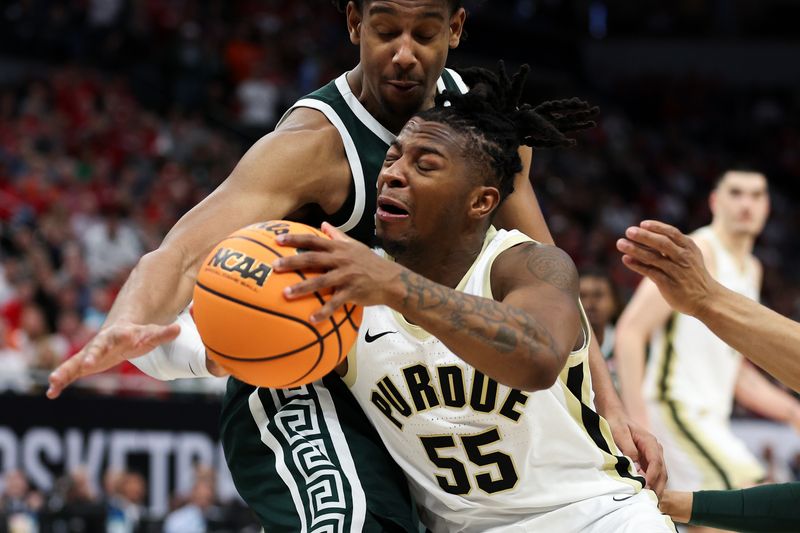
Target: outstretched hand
111,346
350,269
672,261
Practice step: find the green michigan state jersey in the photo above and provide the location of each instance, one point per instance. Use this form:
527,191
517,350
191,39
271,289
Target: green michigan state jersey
366,142
307,458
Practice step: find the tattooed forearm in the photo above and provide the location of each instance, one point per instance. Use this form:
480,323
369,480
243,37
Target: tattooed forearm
554,267
502,327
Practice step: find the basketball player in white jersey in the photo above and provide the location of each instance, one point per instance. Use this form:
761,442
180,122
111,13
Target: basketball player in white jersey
685,392
472,357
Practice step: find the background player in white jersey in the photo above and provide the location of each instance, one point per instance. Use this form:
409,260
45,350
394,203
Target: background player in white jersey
600,300
685,394
472,359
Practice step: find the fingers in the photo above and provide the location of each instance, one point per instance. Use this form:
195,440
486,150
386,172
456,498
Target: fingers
624,442
334,233
651,457
641,253
661,243
310,286
305,261
66,373
304,240
320,283
322,314
665,229
108,348
655,473
656,275
93,358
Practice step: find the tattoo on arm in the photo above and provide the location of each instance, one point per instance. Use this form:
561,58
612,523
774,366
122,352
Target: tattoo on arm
554,267
505,328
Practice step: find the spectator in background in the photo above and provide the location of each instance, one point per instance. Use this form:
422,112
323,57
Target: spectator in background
132,492
99,304
19,505
112,245
194,516
259,95
601,303
74,506
41,348
117,519
24,291
72,329
13,366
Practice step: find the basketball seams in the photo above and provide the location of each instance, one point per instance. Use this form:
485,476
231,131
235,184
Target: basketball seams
257,308
321,337
301,378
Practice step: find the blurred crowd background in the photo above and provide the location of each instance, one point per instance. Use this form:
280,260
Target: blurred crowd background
117,116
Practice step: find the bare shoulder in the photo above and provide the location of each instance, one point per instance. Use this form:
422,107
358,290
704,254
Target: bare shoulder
305,153
537,263
305,119
308,131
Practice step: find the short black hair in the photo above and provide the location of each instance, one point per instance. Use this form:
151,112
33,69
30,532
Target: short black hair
341,5
494,124
744,167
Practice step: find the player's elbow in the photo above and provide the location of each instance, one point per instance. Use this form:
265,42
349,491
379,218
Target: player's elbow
540,373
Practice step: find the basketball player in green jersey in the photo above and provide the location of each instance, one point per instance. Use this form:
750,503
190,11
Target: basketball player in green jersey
309,168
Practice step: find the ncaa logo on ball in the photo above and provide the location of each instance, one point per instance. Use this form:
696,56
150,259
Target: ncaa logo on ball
237,265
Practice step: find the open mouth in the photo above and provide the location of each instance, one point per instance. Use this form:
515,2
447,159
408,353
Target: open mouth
391,209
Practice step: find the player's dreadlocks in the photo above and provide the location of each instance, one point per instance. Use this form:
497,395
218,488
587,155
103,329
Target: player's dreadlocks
341,5
494,124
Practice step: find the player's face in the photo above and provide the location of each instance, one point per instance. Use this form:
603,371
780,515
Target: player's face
741,203
404,45
424,188
598,300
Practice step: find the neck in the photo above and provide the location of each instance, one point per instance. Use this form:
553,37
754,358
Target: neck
739,245
393,122
445,265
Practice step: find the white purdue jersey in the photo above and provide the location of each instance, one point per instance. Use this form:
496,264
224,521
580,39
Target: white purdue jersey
479,455
690,365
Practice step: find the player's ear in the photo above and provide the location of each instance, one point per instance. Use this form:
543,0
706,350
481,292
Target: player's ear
457,26
712,202
484,200
354,23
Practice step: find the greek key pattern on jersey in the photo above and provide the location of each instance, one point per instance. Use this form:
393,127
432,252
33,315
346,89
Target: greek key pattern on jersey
296,424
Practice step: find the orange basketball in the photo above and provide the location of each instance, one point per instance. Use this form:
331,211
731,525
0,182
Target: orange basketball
248,326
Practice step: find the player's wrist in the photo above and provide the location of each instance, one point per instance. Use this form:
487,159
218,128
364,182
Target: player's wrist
394,293
678,505
707,302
